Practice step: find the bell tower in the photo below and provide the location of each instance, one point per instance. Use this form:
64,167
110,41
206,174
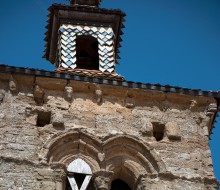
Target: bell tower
84,38
94,3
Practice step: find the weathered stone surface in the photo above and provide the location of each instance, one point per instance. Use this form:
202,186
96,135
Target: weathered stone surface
149,139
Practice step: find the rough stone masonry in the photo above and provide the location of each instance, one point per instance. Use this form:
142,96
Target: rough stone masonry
150,139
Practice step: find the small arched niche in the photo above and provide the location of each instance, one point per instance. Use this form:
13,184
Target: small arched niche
79,175
118,184
87,56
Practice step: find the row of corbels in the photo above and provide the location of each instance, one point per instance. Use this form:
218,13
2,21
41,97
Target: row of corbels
39,93
68,94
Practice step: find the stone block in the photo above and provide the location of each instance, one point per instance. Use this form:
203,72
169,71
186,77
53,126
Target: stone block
172,131
58,121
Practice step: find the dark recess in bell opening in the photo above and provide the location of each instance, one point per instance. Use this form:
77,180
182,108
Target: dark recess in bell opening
119,185
87,52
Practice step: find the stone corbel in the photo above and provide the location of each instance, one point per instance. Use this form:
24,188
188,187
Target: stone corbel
102,180
68,93
38,94
129,101
193,105
211,110
98,94
12,85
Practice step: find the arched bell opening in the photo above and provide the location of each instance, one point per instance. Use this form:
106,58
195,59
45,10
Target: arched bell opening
125,172
87,56
79,175
118,184
68,146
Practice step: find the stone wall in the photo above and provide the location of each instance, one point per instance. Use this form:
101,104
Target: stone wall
149,139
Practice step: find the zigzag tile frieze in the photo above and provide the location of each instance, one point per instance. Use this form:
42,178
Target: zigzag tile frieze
67,46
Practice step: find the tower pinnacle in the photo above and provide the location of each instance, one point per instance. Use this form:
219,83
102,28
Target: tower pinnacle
94,3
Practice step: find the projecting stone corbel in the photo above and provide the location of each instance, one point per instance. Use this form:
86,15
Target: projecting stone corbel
68,93
98,95
193,105
211,110
38,94
12,85
129,101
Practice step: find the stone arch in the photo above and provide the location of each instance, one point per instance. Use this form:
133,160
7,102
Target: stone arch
136,150
123,155
129,159
128,171
66,147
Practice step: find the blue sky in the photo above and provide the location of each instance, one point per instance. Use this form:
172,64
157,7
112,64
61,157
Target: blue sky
174,42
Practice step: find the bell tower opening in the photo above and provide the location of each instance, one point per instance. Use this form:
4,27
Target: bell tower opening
79,175
87,56
119,185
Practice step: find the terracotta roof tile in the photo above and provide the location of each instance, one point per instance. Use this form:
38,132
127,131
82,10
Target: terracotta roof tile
92,73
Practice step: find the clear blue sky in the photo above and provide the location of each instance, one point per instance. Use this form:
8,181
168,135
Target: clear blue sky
174,42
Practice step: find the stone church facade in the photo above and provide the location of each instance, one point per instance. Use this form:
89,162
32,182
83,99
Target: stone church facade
84,126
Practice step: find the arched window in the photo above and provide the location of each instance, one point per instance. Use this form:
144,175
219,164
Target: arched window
119,185
87,56
79,175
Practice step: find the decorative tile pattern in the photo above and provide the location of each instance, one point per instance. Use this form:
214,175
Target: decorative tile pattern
67,46
60,10
92,73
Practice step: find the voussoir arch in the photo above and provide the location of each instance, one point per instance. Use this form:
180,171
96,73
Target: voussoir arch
67,146
125,145
70,145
